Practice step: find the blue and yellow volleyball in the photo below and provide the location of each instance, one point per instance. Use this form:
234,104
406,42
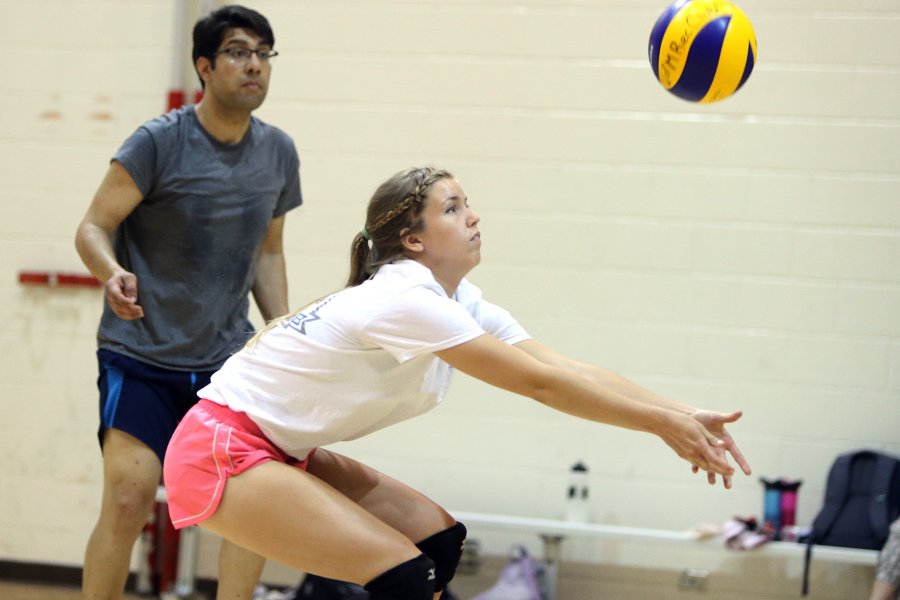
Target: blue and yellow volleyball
702,50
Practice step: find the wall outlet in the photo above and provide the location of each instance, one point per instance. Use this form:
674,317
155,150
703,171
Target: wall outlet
693,579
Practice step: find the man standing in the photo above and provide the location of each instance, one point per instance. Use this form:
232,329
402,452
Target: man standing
186,223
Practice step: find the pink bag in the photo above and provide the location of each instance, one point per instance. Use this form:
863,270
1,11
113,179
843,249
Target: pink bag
519,579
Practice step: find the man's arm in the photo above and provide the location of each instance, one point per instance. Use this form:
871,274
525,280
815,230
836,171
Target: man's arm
115,199
270,285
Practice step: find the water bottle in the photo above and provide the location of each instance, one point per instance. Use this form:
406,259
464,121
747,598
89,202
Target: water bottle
577,494
771,503
789,502
780,504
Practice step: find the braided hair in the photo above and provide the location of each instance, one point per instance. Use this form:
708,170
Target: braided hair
395,206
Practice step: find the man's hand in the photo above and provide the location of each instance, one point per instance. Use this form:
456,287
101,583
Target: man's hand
121,293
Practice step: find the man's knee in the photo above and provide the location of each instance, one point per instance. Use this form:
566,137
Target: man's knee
445,549
411,580
128,499
127,511
131,473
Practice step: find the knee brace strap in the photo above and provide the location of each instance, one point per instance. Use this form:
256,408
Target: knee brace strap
445,549
412,580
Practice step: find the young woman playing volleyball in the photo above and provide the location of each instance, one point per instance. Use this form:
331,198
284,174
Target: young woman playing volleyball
249,461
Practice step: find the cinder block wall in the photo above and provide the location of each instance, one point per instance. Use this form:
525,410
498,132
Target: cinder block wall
738,255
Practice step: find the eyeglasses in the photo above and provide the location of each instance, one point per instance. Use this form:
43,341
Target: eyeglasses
237,55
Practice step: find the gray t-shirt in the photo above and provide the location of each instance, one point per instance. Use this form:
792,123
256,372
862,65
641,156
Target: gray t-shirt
194,239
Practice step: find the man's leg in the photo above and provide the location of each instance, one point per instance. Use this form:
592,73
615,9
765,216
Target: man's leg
131,473
239,571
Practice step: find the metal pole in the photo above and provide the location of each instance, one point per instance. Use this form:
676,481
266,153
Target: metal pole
187,562
552,557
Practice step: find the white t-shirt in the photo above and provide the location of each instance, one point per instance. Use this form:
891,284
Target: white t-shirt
358,360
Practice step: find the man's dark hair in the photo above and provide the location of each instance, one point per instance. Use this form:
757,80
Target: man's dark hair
211,29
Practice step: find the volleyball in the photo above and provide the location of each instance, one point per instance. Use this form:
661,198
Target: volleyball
702,50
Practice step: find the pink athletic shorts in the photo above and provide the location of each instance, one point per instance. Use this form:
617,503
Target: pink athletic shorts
211,444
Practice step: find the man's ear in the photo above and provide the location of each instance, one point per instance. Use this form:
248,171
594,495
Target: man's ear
410,241
204,67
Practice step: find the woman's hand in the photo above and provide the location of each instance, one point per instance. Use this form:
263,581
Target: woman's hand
701,439
714,423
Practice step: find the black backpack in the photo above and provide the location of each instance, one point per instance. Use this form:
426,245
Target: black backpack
862,499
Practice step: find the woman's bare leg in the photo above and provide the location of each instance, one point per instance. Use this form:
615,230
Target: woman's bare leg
413,514
396,504
291,516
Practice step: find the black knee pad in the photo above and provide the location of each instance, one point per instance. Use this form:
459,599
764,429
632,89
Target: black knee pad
445,549
412,580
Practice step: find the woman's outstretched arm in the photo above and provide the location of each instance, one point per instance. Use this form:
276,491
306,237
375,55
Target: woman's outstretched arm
535,371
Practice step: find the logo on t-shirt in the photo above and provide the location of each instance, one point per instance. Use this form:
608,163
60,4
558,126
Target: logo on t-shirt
299,321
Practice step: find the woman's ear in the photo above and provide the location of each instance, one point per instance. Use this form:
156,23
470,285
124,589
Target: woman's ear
410,241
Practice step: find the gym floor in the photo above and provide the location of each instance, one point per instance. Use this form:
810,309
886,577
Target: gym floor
14,590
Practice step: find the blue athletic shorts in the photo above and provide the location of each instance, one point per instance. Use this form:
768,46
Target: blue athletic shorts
143,400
